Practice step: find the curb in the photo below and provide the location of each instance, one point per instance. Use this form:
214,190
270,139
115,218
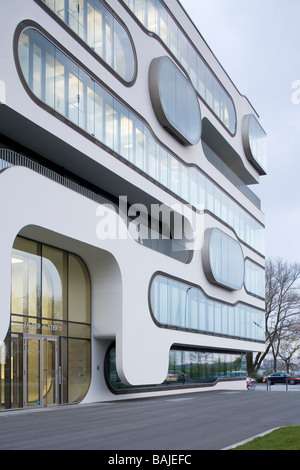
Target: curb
233,446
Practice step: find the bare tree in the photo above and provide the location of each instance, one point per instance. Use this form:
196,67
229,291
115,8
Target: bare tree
282,309
290,345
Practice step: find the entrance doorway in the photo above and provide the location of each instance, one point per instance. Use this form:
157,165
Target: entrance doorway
45,359
40,364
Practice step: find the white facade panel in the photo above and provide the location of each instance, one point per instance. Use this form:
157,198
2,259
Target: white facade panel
152,304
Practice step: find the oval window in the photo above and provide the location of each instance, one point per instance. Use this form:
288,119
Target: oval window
97,26
254,141
174,101
223,260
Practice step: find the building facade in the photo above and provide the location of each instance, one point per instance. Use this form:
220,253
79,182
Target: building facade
132,249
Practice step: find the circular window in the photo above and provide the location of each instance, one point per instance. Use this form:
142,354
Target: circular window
174,101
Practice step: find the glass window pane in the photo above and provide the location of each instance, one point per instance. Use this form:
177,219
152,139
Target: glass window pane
26,275
96,26
126,133
174,101
53,283
33,396
79,369
78,291
37,71
99,113
161,22
60,82
50,75
177,304
23,52
109,114
76,17
73,92
140,144
45,282
163,167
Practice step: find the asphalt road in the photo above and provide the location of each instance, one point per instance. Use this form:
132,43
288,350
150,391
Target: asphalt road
200,421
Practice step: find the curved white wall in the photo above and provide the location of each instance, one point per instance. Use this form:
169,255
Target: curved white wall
39,208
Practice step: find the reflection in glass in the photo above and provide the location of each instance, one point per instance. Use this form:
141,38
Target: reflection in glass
78,291
50,296
52,283
100,30
116,127
26,275
187,368
156,19
33,396
79,369
174,101
225,260
41,371
176,304
254,278
257,140
49,373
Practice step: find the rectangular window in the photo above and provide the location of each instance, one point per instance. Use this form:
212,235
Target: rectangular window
126,134
77,18
151,16
24,55
163,166
37,71
26,275
140,145
193,309
73,94
152,158
91,23
50,78
60,82
79,294
53,288
164,302
99,113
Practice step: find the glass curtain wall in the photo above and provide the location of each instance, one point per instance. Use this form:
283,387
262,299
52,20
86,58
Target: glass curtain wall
176,304
153,15
100,30
50,298
254,279
187,368
58,82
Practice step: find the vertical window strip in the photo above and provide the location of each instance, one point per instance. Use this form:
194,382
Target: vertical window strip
187,368
254,279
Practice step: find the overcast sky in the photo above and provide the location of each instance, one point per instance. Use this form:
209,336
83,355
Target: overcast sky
258,44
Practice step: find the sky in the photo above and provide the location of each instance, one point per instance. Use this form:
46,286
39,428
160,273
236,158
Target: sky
258,44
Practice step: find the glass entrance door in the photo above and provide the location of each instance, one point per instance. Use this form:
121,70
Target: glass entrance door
40,370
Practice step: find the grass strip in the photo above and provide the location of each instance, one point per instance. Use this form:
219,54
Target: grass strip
285,438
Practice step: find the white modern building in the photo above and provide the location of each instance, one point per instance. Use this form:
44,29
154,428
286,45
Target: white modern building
131,247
